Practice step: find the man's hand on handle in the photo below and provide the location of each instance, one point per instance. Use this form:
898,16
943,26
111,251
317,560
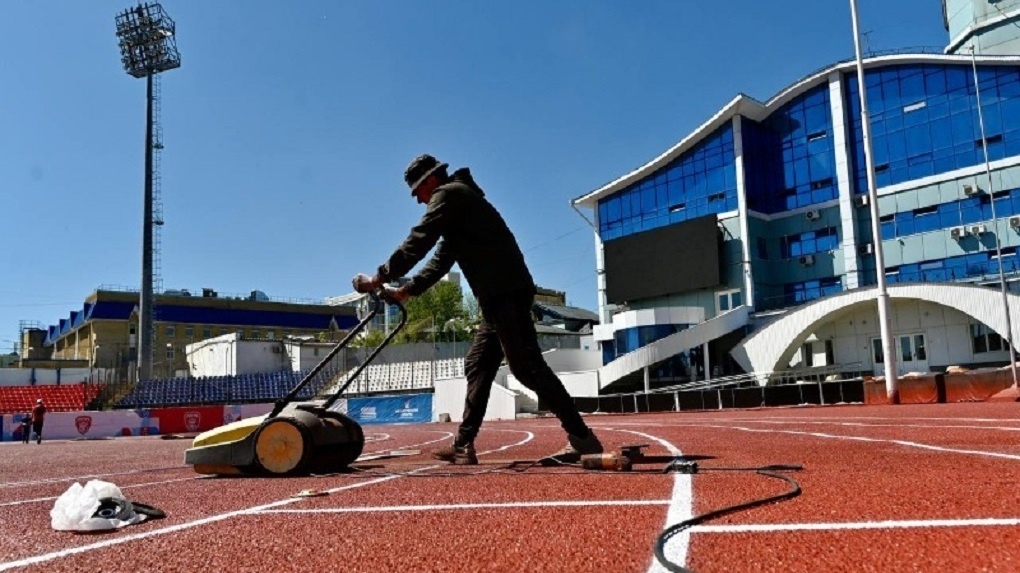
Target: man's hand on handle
365,284
396,294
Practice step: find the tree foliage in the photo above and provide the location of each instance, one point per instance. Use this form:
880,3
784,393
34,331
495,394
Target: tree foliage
369,339
428,314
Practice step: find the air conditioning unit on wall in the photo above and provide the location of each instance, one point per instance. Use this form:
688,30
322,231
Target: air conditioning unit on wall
969,190
1014,222
866,249
812,215
977,229
861,201
806,260
957,233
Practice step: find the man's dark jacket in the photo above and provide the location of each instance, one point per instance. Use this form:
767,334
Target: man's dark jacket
471,233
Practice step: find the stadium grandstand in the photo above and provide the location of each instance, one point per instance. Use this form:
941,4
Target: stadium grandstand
101,335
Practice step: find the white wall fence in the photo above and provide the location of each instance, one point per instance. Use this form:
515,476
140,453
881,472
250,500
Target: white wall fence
29,376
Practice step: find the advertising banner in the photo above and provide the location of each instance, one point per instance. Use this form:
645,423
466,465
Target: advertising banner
87,425
413,409
185,420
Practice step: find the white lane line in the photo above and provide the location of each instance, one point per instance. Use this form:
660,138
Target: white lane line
445,436
681,507
905,443
908,524
213,519
88,476
867,425
455,506
780,419
122,487
171,529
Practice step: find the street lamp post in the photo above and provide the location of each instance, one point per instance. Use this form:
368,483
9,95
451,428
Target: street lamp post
146,36
884,305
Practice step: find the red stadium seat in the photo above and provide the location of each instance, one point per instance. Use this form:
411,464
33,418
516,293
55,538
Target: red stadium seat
70,397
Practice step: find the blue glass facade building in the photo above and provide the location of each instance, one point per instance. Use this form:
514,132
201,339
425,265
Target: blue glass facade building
787,181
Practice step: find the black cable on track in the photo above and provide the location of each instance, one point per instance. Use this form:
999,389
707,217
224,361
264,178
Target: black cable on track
677,528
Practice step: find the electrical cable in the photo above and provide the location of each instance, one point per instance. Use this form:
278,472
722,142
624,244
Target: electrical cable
677,528
509,468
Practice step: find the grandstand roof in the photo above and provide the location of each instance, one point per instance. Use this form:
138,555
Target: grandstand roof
111,305
567,312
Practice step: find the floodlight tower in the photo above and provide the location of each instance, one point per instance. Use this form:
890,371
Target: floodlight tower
146,36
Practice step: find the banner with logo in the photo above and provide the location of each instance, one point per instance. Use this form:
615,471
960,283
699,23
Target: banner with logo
412,409
85,425
185,420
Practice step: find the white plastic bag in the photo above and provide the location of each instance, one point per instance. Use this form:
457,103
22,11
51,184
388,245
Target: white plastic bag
75,509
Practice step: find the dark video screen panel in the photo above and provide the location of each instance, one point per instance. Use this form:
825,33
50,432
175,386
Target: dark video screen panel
676,258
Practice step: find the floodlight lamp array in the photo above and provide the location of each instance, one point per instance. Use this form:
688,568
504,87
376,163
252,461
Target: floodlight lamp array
146,36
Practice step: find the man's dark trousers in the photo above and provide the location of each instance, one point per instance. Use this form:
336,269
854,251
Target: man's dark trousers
506,326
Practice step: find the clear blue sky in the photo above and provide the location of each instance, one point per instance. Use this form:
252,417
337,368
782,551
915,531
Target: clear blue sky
289,124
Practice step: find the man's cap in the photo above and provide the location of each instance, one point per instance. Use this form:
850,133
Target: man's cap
420,169
39,401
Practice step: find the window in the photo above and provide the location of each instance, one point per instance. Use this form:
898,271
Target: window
877,354
808,243
830,355
699,182
919,350
169,352
808,354
789,157
207,332
189,332
926,119
906,349
727,300
985,339
763,248
255,333
170,332
271,335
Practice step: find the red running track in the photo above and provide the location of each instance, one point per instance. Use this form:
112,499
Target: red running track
885,489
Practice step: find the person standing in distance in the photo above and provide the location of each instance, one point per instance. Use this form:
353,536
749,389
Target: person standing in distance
26,428
470,232
38,416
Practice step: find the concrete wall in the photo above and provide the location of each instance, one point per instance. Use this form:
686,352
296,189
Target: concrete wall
990,21
577,369
449,399
24,376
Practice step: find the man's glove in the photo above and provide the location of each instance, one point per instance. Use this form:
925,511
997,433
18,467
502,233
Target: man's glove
363,283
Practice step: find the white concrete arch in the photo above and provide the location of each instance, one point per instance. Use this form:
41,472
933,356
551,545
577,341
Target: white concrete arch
773,345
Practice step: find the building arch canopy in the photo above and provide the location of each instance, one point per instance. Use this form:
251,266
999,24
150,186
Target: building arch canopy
766,349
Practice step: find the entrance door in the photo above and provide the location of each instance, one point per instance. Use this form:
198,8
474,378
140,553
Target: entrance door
911,354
